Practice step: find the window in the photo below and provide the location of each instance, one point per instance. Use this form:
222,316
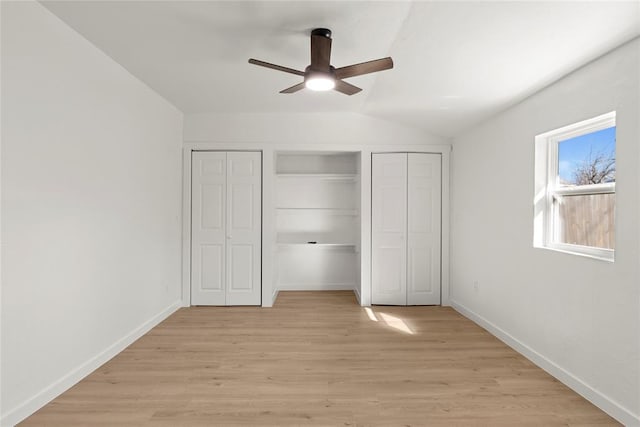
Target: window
575,190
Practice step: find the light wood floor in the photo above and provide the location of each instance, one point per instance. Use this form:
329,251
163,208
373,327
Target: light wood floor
317,358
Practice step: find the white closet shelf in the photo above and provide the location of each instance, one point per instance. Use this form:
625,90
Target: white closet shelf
344,245
321,176
320,247
323,211
319,239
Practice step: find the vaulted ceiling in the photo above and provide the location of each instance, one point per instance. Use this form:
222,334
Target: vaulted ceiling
456,63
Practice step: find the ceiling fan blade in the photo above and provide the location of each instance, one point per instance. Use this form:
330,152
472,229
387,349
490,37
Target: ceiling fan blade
294,88
320,52
275,67
346,88
364,68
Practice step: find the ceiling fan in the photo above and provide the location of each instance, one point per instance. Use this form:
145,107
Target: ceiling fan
321,75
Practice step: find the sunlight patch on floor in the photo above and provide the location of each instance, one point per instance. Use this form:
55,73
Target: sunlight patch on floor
371,314
389,320
396,323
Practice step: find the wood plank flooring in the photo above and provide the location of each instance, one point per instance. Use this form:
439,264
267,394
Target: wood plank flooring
317,358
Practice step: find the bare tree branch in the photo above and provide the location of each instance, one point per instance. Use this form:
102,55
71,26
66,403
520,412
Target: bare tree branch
597,168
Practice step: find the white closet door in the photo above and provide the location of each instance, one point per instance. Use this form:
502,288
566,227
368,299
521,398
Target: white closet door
244,212
208,225
389,229
226,238
424,224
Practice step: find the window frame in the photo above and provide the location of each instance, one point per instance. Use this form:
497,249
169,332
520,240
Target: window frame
548,188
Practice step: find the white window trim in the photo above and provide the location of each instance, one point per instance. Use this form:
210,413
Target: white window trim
546,186
586,189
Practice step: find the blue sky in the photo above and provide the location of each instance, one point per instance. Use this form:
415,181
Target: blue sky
572,152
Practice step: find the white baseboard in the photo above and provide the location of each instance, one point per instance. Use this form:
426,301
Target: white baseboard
356,290
273,297
603,402
316,287
58,387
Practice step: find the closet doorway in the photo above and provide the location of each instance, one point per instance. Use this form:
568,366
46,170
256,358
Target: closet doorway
406,228
226,230
317,212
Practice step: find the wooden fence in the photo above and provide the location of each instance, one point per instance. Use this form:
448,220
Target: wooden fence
587,220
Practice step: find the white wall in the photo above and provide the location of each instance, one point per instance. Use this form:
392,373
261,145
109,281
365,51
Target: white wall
577,317
319,128
91,206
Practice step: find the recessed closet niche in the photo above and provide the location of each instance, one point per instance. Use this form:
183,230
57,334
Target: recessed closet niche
317,220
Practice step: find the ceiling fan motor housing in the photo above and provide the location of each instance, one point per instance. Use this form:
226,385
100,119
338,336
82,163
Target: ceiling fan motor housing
321,32
309,72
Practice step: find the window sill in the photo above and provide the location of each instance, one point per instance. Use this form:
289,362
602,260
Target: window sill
607,255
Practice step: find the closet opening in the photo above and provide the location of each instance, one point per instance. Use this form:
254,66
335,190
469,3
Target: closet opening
317,211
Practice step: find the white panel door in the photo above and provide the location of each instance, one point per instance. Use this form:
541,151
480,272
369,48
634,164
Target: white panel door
389,229
208,228
424,225
244,237
226,238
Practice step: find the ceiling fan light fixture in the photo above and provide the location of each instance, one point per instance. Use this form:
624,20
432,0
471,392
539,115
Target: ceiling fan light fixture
320,82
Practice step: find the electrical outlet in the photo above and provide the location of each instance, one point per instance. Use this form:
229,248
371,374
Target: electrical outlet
475,285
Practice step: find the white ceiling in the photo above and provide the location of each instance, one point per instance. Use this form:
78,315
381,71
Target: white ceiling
456,63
